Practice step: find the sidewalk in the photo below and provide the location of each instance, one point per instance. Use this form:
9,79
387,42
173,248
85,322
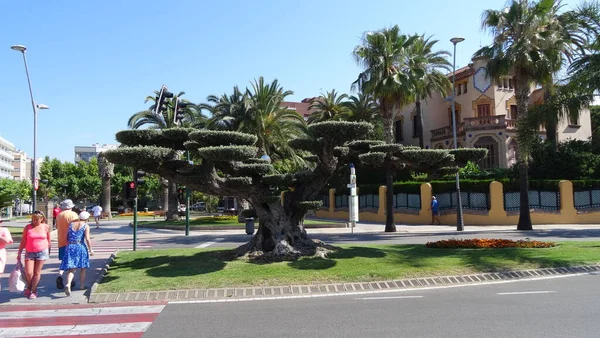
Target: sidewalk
105,243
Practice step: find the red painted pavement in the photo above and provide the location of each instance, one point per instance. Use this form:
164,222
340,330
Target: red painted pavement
78,320
9,308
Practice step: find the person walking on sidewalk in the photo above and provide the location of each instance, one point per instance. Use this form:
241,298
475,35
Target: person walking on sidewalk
55,213
97,210
435,213
66,217
5,238
78,251
36,242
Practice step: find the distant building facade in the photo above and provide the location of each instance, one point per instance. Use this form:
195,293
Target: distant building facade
301,107
86,153
21,166
486,116
7,149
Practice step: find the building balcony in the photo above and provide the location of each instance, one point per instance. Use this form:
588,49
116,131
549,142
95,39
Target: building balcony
495,122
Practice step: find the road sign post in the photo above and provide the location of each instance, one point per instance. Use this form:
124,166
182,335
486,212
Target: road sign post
353,201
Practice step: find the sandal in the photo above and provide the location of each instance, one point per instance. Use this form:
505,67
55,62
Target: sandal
59,283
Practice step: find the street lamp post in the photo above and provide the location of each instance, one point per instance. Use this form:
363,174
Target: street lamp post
460,225
36,107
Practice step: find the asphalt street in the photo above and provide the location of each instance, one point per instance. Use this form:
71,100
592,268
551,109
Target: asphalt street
556,307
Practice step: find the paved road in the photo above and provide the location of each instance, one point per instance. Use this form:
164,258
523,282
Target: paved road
559,307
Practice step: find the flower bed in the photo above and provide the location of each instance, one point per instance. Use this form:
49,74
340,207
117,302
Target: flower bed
140,213
485,243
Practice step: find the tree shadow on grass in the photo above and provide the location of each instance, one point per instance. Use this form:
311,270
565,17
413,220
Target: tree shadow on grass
176,265
319,263
485,260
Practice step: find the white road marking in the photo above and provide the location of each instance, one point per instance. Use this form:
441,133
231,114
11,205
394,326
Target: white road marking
207,244
73,330
318,295
120,310
394,297
524,293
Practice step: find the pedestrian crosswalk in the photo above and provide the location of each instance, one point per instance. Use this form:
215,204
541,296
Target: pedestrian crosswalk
116,320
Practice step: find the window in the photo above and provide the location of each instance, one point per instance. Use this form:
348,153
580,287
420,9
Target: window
415,125
398,127
513,112
573,121
458,87
483,110
465,88
505,83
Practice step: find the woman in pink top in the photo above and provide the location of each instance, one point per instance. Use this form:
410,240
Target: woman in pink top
5,238
36,242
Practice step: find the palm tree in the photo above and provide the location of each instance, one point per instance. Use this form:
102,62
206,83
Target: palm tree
385,56
361,108
228,111
166,120
433,80
259,111
531,41
328,106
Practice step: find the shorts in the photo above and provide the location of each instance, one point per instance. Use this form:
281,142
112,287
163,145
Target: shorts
37,256
61,252
435,213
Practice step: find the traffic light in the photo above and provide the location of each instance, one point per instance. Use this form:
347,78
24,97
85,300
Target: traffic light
138,177
180,193
160,99
179,110
129,190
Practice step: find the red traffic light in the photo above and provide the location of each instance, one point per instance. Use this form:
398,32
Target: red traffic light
131,185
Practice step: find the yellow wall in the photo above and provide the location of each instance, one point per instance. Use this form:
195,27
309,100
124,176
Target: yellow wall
495,216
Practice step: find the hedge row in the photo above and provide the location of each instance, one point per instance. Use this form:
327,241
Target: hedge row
470,186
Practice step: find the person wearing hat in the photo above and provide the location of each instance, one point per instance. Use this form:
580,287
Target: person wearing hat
77,251
66,217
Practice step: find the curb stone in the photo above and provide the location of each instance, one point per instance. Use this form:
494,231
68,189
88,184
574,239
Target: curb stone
101,275
315,289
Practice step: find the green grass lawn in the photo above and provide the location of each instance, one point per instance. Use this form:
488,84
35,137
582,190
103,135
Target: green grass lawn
208,221
216,268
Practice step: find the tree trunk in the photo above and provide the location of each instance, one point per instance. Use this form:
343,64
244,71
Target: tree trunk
164,183
281,234
390,226
419,117
172,212
106,207
524,212
551,124
242,205
388,128
522,96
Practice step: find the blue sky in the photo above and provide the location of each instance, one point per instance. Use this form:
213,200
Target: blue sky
94,62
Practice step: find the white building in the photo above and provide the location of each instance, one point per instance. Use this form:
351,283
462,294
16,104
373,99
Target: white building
21,166
86,153
6,158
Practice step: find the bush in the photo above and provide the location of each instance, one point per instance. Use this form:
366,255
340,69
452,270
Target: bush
487,243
